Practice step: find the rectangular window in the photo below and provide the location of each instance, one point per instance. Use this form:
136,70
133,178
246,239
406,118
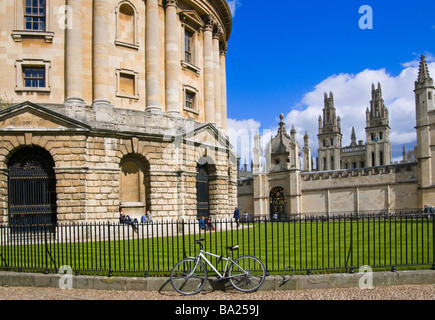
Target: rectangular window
34,77
126,84
190,100
188,45
35,15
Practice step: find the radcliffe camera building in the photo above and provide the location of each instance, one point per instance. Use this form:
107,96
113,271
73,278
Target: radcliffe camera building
355,178
110,104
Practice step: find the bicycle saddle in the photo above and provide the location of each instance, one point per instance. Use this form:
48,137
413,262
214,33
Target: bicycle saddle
232,248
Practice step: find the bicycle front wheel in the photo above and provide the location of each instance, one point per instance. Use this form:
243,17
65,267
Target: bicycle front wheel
247,273
188,276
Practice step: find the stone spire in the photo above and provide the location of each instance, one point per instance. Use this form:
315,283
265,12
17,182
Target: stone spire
353,138
424,78
423,72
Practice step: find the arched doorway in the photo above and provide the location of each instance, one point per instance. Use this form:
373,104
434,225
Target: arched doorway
202,190
278,202
32,188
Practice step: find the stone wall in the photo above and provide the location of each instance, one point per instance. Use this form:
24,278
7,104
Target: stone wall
377,189
385,188
88,156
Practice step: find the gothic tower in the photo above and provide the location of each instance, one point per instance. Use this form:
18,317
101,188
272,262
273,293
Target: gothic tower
378,145
329,137
425,111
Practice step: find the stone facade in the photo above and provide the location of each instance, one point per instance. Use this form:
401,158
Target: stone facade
127,101
354,179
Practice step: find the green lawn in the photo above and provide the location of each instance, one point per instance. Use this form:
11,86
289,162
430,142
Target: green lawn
301,245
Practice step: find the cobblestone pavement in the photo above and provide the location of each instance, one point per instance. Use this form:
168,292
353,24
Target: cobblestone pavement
405,292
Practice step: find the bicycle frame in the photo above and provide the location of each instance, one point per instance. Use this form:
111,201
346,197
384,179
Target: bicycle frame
202,255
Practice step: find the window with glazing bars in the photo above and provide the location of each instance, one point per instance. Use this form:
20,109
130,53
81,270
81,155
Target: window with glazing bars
35,15
188,41
190,100
34,77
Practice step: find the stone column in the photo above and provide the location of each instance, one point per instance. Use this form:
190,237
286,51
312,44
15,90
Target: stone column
217,76
209,108
223,73
73,55
172,58
101,56
152,56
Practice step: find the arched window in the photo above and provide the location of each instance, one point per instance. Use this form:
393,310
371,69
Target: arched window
126,26
134,188
130,182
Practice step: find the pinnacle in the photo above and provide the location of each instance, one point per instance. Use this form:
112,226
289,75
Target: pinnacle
423,72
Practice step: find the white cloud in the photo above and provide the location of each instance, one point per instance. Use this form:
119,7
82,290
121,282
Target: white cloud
352,95
234,4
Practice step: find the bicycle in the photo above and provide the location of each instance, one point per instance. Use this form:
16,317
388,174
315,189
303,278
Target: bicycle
245,273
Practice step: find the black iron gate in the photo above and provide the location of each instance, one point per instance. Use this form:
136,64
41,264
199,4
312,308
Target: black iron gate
32,188
202,193
278,203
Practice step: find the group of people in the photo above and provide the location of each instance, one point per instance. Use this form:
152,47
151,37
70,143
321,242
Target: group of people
206,224
125,219
428,209
236,216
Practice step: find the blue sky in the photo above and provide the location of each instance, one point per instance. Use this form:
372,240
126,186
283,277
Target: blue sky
282,56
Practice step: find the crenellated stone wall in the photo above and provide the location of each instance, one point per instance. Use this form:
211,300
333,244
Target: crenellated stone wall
377,189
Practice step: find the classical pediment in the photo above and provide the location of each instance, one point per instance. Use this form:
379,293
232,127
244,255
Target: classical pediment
192,18
30,116
208,134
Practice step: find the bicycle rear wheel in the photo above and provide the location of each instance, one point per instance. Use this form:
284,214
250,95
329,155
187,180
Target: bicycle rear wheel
247,273
188,277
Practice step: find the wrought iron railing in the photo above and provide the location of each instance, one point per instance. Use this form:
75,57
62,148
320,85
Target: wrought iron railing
333,243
